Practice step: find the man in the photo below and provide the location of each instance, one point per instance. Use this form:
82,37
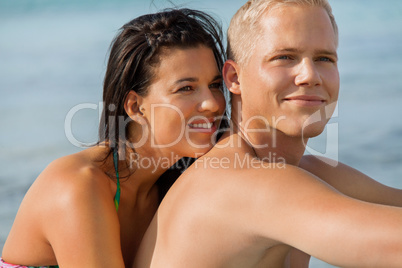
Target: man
246,203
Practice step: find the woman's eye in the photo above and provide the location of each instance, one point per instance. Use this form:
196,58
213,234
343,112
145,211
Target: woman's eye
185,89
216,85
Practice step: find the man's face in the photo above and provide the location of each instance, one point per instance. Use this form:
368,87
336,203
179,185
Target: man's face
292,74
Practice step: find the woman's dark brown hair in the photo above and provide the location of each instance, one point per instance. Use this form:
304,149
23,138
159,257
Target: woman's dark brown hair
135,53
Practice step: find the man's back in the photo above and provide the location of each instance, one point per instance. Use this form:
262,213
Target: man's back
221,214
211,198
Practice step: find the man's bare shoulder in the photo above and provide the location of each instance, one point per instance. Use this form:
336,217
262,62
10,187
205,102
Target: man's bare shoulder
228,162
227,176
207,197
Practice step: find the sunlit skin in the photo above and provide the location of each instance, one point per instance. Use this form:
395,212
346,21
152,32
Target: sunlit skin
68,216
185,95
274,214
291,74
294,71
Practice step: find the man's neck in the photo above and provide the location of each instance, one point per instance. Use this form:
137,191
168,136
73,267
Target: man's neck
275,145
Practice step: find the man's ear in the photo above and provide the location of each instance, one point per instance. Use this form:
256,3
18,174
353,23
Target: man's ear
230,74
133,108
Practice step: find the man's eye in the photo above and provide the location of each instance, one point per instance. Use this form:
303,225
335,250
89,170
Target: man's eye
325,59
283,57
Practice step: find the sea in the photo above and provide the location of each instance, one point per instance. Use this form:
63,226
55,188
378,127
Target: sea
53,58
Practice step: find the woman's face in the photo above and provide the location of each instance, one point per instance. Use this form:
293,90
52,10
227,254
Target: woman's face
184,105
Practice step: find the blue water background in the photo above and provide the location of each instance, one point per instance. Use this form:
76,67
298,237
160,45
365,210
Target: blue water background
53,57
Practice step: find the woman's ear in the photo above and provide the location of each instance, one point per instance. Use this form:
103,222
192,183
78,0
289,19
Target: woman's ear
230,74
133,108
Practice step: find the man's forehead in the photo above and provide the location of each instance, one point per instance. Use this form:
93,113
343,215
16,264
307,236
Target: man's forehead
281,21
283,13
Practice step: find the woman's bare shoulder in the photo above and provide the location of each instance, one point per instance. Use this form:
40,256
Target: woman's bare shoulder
68,181
72,170
71,191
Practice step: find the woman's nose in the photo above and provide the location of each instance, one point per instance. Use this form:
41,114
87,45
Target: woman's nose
208,101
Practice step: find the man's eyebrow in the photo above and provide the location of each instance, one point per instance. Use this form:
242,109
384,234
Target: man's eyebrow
327,52
281,50
295,50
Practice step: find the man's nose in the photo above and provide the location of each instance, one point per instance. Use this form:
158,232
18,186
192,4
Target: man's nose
308,74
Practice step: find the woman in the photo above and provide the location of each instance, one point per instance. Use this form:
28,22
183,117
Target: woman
163,100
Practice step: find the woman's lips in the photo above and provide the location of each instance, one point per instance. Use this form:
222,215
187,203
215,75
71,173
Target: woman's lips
206,125
203,125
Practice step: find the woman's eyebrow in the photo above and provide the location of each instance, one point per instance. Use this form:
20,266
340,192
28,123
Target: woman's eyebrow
217,77
186,79
195,79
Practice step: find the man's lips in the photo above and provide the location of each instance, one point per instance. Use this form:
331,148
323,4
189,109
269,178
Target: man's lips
305,100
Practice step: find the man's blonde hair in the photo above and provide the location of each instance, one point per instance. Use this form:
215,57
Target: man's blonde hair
244,28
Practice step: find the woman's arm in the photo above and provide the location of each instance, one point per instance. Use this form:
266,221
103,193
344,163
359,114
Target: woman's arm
351,182
79,219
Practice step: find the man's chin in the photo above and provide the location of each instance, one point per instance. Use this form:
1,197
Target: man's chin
313,130
307,132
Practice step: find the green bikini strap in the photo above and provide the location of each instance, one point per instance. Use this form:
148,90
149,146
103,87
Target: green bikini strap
118,190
